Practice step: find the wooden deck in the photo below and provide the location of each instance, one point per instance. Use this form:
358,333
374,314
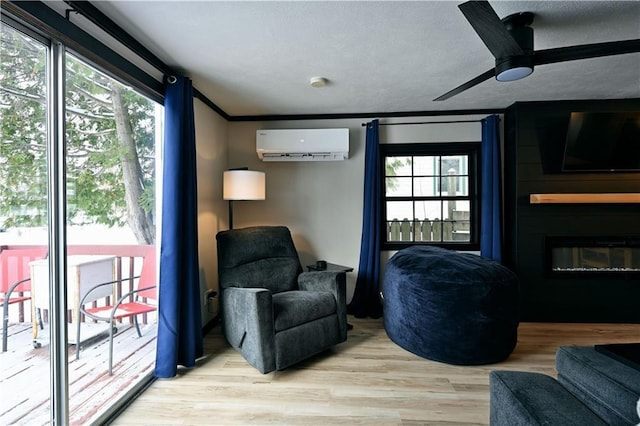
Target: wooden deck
25,374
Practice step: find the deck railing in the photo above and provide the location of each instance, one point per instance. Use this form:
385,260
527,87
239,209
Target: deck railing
128,264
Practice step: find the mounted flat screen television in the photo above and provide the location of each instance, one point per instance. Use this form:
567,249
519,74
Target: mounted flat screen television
602,142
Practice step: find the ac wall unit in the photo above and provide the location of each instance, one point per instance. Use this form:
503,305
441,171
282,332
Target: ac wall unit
302,144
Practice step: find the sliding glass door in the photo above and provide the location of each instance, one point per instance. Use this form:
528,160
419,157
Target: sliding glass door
111,133
77,223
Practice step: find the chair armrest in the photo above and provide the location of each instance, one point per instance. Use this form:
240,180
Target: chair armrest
247,319
85,299
134,293
14,286
331,281
114,306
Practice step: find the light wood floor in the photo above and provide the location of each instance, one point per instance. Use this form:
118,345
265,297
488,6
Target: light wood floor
367,380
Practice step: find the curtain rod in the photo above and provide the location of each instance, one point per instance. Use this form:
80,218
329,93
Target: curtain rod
429,122
106,24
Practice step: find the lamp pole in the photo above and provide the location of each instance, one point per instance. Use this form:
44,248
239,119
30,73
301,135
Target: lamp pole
230,214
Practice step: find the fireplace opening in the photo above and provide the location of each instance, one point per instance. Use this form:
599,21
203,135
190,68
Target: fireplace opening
593,257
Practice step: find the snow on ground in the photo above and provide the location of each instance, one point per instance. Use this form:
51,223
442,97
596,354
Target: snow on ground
86,234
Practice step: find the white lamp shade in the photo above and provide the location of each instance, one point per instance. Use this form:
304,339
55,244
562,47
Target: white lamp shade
243,185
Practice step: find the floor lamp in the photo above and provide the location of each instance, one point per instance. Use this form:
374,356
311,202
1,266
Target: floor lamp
242,184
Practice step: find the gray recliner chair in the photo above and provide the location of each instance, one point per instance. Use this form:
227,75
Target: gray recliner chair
272,312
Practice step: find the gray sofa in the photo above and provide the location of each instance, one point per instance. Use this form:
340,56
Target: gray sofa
592,389
272,312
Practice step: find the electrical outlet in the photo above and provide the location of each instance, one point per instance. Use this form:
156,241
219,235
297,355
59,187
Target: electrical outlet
211,306
208,300
205,297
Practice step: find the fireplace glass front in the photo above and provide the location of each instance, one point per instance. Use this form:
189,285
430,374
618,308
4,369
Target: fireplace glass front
615,257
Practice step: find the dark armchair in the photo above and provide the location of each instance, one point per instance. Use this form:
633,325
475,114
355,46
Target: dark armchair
274,314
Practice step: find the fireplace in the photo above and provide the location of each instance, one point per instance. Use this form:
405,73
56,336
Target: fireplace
593,257
577,257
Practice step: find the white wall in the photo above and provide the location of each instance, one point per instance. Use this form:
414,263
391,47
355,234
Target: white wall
321,202
211,161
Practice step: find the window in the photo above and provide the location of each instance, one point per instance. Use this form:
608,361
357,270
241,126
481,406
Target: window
430,195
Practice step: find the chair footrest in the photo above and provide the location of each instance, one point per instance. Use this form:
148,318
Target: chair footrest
523,398
609,387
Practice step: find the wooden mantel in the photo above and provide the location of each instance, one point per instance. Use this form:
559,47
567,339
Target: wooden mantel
611,198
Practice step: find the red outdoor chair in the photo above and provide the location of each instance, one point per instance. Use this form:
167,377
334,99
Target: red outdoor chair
140,301
15,282
14,294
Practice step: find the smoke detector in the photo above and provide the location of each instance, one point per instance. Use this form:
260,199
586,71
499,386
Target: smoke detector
318,82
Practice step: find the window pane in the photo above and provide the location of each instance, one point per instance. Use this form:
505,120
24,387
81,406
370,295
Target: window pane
399,219
399,210
398,186
454,185
461,221
111,133
110,156
428,223
429,213
398,166
425,165
424,187
25,378
428,210
453,165
23,145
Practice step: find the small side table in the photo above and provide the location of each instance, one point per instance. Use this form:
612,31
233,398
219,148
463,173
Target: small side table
330,267
334,268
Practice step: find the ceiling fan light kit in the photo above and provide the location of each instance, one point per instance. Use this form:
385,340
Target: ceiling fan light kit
515,68
513,74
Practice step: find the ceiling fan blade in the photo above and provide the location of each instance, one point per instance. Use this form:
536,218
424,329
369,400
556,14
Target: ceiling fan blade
585,51
469,84
490,28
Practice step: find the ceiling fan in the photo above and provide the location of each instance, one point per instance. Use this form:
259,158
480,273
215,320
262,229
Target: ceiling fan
510,41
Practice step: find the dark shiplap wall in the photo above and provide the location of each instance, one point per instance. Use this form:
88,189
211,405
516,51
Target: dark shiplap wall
549,298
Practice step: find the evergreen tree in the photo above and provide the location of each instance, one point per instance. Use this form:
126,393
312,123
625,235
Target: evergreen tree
109,144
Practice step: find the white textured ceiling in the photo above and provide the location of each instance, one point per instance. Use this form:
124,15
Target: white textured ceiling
256,58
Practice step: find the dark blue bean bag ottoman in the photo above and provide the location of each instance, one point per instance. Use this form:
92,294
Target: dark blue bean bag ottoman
456,308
